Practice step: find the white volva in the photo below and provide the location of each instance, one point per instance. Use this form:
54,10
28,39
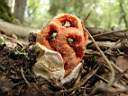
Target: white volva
50,65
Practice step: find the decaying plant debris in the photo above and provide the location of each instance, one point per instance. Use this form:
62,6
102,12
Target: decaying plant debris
104,72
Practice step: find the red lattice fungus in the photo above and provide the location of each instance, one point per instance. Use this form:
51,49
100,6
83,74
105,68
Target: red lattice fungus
65,35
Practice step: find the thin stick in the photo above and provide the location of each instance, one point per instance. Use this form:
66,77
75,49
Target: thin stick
106,81
26,81
87,77
105,58
107,33
88,15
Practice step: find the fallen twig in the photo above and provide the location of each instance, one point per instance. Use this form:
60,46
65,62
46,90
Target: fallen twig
112,78
108,33
26,81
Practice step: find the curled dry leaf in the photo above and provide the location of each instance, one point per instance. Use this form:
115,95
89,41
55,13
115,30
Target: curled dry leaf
64,40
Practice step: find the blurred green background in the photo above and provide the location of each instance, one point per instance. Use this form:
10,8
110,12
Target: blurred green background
108,14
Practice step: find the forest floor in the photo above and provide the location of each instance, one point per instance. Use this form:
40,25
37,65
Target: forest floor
104,71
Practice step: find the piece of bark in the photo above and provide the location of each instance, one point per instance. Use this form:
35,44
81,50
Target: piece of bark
18,30
100,34
122,45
